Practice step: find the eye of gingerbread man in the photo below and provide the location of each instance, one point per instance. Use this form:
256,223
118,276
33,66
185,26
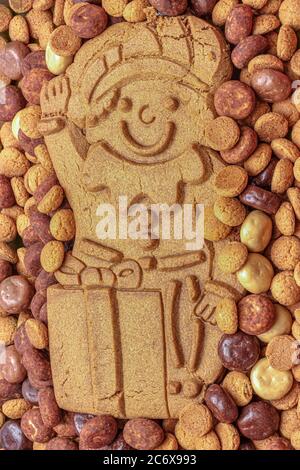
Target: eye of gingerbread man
125,105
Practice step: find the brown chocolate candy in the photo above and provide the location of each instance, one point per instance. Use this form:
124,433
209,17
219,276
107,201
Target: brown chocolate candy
239,24
29,236
261,199
34,60
258,421
12,370
11,101
98,432
88,21
21,340
143,434
44,280
15,294
278,443
38,300
32,84
9,391
33,427
50,411
170,7
80,419
11,57
264,179
202,7
27,144
234,99
39,383
41,225
248,445
256,314
118,444
5,269
243,149
37,363
43,315
32,258
221,404
29,392
12,437
271,85
66,428
44,187
7,198
239,351
247,49
61,443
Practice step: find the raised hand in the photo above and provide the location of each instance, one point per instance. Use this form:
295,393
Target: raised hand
55,97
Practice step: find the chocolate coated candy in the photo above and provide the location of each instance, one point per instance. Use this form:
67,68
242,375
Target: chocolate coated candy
264,179
259,198
98,432
271,85
202,7
29,392
15,294
33,427
61,443
11,57
12,437
258,420
9,391
11,101
79,421
239,351
7,198
12,369
34,60
221,404
5,269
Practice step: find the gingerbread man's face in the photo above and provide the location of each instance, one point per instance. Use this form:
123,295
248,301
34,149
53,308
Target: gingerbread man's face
147,121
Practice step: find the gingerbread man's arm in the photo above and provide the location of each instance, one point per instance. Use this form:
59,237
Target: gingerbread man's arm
65,141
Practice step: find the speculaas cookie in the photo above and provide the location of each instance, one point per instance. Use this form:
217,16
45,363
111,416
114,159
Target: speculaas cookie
132,328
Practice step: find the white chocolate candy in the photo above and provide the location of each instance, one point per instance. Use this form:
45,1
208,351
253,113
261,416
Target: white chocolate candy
57,64
269,383
256,231
282,325
256,275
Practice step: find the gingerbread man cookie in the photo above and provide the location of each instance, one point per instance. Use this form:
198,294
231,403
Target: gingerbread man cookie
132,328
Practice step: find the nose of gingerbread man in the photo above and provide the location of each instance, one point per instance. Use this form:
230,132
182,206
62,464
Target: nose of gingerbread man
146,115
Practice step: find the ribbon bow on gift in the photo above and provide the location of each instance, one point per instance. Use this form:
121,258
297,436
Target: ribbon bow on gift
74,273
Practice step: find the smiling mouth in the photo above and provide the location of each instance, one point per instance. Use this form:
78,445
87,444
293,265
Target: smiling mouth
148,150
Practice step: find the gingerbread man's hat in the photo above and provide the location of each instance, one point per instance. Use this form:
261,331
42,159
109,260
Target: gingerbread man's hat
185,49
